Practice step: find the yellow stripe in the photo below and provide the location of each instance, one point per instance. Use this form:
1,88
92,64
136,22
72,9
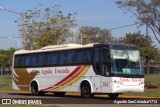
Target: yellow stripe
75,80
68,80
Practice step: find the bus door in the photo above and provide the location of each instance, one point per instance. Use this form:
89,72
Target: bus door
105,68
102,66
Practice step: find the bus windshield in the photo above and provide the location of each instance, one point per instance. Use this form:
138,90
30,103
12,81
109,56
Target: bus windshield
126,60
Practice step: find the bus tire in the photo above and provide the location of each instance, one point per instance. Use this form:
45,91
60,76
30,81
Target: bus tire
59,93
113,95
34,90
86,90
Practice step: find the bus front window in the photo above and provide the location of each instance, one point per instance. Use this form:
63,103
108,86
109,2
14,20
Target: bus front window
126,60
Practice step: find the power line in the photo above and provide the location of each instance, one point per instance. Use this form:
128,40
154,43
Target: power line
107,29
123,26
9,36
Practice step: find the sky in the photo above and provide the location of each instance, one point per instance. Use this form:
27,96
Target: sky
97,13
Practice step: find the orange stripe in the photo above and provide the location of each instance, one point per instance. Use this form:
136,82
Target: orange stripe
73,77
81,75
75,80
70,79
66,78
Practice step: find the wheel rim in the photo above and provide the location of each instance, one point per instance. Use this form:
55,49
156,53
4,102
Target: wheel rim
86,91
34,90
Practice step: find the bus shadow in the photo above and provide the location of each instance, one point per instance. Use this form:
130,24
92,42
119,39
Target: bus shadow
65,96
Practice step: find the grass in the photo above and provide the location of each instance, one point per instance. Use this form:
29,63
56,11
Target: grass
5,83
147,93
16,105
153,78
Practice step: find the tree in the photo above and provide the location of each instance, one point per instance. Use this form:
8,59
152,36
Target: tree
6,57
146,11
144,43
47,27
94,35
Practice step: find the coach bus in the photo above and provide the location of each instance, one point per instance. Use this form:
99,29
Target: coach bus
90,69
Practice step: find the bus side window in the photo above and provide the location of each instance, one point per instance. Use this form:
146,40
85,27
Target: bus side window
89,55
79,56
62,58
22,61
98,60
41,59
84,56
27,60
54,58
70,57
17,61
47,59
34,60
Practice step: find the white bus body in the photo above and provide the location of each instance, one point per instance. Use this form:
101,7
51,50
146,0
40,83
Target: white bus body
91,76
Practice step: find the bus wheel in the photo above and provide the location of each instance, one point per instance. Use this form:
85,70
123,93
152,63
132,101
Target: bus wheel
86,90
59,93
34,89
113,95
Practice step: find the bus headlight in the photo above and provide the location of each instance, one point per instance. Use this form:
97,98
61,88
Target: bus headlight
141,83
118,82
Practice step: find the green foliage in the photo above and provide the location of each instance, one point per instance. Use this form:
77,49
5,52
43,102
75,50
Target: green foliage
144,43
47,27
146,11
95,35
6,57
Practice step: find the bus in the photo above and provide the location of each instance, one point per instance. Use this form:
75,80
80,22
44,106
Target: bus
110,69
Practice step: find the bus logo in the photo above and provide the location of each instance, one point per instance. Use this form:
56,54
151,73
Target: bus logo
6,101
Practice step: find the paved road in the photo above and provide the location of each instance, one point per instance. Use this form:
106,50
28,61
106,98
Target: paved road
73,100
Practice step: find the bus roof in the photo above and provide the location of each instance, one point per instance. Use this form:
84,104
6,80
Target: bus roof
65,47
55,48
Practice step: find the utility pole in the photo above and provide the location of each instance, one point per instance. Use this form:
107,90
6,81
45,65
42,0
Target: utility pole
147,50
23,24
